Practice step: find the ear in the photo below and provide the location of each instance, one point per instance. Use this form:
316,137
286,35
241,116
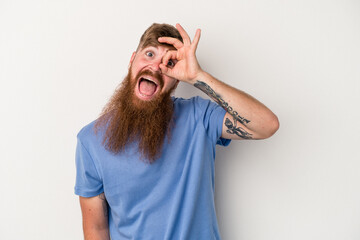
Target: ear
132,59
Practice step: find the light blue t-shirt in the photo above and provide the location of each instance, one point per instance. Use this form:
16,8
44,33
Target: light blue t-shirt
173,198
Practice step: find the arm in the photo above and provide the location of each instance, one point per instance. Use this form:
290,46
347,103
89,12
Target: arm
246,117
95,217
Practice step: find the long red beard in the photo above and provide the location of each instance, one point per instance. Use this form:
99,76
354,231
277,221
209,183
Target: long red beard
127,119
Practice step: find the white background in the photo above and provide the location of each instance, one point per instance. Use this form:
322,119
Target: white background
61,60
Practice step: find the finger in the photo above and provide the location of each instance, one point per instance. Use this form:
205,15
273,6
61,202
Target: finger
172,41
168,55
184,35
196,38
165,70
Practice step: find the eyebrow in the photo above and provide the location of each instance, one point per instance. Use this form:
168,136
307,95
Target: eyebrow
150,46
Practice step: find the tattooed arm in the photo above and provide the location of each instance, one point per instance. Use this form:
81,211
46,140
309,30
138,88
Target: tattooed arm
95,217
246,117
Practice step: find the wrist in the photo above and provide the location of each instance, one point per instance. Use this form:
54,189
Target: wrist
198,77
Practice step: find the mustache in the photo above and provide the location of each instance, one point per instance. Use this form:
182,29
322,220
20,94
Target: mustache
157,75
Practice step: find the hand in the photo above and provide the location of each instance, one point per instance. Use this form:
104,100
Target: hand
186,67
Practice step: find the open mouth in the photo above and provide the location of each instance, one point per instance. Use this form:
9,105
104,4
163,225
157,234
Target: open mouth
147,87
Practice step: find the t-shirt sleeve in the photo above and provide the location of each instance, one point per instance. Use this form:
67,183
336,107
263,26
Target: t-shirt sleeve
88,182
212,117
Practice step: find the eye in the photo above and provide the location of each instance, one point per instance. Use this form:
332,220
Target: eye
149,54
170,63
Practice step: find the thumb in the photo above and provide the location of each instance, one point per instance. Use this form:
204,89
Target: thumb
165,70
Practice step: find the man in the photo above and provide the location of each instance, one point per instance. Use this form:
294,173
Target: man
145,168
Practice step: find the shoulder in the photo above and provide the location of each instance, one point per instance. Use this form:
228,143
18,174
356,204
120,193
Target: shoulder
87,132
198,108
196,101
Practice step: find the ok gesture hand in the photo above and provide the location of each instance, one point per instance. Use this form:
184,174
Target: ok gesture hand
186,66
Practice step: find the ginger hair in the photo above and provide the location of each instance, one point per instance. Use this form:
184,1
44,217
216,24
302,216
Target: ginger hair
156,30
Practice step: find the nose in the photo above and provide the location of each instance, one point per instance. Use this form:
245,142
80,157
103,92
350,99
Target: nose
155,65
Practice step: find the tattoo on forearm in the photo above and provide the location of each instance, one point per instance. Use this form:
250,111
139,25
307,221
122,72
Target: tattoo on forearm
104,204
239,131
217,98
